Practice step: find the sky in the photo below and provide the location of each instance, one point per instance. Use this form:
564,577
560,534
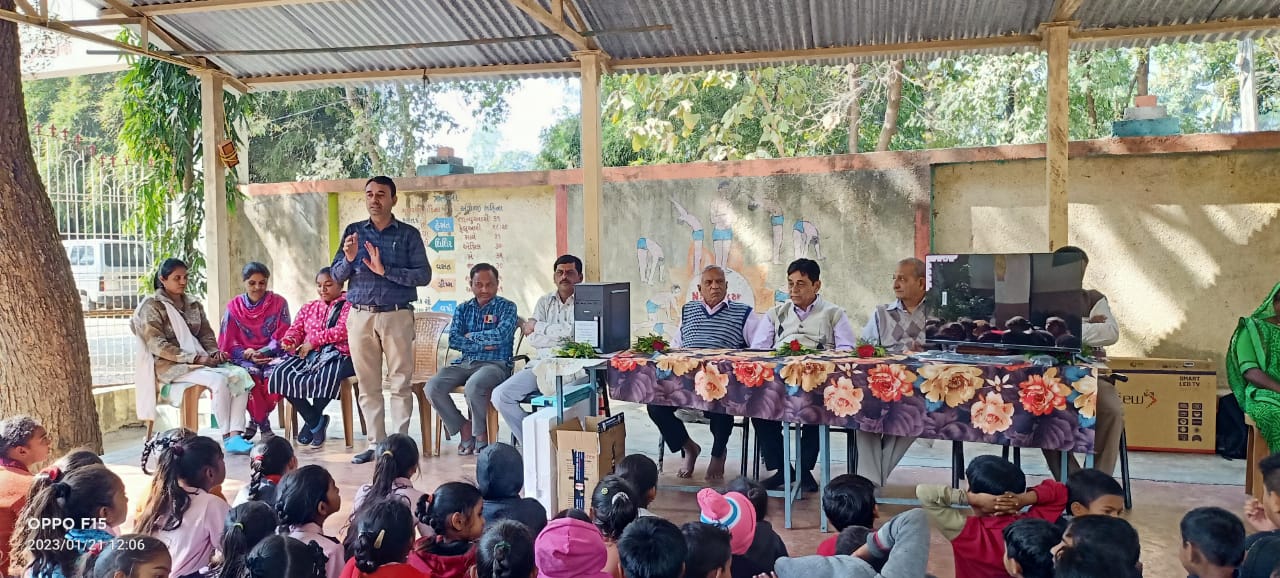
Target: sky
534,105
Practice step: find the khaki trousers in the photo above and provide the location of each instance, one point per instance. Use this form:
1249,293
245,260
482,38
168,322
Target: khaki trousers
879,454
1106,434
373,337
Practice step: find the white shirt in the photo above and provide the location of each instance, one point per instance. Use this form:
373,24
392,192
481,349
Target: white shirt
554,324
1100,334
192,545
312,532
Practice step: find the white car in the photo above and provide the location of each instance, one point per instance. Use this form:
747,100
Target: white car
108,272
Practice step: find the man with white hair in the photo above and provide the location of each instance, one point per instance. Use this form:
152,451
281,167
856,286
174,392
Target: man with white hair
713,322
898,327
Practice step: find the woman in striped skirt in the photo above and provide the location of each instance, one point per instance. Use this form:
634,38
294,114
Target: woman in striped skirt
319,358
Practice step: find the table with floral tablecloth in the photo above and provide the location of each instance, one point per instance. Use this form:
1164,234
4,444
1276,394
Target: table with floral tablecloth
1018,403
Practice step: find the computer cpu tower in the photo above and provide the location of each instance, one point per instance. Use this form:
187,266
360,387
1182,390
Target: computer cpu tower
602,315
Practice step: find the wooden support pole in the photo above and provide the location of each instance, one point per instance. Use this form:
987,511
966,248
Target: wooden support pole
217,234
592,162
1057,43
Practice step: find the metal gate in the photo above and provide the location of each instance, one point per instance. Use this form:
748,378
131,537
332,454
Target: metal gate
94,199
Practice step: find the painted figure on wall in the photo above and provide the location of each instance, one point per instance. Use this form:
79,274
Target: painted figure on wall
650,328
695,227
777,222
666,302
722,225
651,260
805,234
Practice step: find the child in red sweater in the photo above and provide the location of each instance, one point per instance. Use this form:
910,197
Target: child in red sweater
455,512
997,494
381,539
23,443
849,500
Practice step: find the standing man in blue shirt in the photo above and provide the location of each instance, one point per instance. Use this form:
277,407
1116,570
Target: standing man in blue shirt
383,260
483,330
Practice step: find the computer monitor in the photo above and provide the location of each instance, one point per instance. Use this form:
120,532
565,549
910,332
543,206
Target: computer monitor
1032,301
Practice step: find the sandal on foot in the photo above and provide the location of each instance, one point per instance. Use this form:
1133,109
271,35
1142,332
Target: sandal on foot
467,448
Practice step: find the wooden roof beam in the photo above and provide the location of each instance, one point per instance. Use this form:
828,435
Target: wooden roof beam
556,25
1176,30
1065,10
285,81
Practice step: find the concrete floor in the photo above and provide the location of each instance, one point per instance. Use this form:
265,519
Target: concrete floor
1165,485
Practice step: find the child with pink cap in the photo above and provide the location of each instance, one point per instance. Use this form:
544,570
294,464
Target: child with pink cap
733,512
570,548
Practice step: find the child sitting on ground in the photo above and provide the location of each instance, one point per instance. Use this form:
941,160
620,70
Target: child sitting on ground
23,443
767,546
613,507
642,474
91,498
381,539
279,556
130,556
1028,548
997,493
849,500
710,554
900,547
850,539
1091,492
1115,536
179,510
571,547
269,460
1264,515
247,525
1212,543
505,551
394,466
306,498
455,514
733,513
652,548
500,473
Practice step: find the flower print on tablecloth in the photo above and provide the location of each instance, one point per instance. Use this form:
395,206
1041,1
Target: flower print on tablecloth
710,384
951,384
752,373
890,382
842,398
805,374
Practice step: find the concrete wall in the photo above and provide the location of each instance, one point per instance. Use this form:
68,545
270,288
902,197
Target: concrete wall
1182,244
287,233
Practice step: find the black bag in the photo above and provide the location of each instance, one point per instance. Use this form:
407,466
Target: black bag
1233,435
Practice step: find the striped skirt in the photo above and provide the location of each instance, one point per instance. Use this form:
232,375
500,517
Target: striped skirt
311,378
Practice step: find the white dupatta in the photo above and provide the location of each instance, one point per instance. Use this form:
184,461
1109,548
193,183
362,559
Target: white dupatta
144,373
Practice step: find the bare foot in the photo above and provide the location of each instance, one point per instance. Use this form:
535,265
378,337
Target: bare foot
715,469
691,451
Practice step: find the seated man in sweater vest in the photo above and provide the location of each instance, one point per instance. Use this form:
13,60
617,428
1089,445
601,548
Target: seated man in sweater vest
815,323
899,327
712,323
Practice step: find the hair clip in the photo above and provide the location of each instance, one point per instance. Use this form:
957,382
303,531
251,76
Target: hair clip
377,542
604,491
96,548
238,525
53,473
257,458
178,449
387,453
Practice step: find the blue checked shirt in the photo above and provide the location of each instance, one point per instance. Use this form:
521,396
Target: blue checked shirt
484,333
404,256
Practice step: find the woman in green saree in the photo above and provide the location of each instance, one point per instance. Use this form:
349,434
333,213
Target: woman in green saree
1253,367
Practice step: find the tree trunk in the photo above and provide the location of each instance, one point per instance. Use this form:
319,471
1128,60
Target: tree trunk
1143,76
1090,104
44,357
855,104
892,107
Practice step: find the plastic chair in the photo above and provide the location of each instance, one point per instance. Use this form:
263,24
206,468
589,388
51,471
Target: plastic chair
190,408
428,328
348,391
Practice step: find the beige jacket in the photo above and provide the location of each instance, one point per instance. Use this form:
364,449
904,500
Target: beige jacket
151,324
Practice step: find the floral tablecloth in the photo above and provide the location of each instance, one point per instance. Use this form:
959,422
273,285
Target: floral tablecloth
1023,405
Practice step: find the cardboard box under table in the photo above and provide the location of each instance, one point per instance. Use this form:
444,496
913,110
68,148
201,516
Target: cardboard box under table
1170,405
587,449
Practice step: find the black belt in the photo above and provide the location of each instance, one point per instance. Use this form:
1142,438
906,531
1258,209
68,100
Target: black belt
381,308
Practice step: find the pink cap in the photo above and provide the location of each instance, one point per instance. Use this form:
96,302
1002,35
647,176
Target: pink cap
570,548
733,512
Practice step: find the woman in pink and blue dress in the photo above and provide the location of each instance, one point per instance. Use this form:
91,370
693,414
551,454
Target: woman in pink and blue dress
318,358
252,328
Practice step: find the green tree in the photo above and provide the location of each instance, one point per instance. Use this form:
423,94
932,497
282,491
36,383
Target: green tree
161,128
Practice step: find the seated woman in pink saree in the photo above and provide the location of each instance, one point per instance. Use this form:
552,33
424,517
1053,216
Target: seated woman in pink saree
252,328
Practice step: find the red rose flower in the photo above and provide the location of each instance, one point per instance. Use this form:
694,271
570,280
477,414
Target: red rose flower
752,374
659,346
794,345
1041,395
624,363
866,351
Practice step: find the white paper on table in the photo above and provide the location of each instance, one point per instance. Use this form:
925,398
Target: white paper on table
587,332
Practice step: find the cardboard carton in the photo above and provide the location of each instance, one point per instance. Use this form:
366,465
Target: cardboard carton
1169,404
587,449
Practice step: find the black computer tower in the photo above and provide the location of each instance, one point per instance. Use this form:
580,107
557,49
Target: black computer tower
602,315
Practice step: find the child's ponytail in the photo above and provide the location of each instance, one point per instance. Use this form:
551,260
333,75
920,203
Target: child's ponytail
247,525
71,462
270,457
80,495
505,551
181,459
160,441
383,534
452,498
397,458
300,493
121,555
614,506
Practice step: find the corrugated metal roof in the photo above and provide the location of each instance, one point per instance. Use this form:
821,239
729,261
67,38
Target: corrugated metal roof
699,28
